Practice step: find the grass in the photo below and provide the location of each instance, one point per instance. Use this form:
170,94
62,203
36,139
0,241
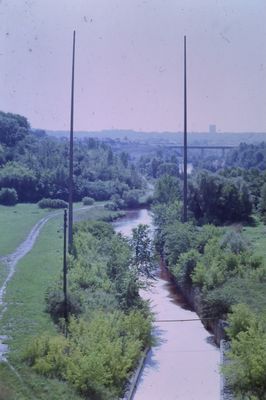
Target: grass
256,235
15,223
3,275
25,316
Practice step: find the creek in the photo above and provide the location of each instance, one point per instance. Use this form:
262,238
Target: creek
184,362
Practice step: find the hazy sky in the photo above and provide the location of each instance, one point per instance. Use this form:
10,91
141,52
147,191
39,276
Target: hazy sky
129,63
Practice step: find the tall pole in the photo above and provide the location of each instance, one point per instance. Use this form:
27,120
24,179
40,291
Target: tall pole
70,199
185,132
65,273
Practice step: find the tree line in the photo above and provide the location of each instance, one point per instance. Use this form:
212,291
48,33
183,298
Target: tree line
35,166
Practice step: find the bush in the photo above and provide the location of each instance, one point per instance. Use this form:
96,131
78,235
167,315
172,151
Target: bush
55,305
88,201
111,206
52,203
247,368
185,266
98,354
8,196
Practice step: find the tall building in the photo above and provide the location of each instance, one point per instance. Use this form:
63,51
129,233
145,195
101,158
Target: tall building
212,129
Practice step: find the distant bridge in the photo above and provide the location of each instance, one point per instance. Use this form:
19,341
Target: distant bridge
223,148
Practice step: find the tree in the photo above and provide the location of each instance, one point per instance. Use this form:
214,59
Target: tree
8,196
21,178
216,199
262,203
167,189
13,128
142,247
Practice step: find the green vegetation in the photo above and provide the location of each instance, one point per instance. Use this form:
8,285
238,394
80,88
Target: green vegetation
216,199
87,201
36,165
246,370
8,197
25,316
109,326
248,156
15,223
226,267
107,335
52,203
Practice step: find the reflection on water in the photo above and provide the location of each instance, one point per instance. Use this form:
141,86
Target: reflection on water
131,220
184,363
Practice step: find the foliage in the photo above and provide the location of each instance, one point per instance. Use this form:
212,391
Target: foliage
52,203
55,304
247,368
8,197
179,239
13,128
97,355
248,156
234,242
185,266
254,178
167,189
88,201
163,163
164,215
142,247
215,199
37,165
131,198
22,179
262,203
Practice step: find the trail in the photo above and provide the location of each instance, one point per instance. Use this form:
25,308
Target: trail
11,261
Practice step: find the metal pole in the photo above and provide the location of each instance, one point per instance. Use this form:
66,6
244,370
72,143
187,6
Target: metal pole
70,199
185,132
65,272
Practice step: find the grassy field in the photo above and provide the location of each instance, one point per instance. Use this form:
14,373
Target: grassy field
15,223
25,316
256,235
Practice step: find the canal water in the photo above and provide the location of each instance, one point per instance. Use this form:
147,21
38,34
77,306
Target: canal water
184,362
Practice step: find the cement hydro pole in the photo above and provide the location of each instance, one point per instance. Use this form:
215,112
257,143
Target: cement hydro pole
70,198
185,133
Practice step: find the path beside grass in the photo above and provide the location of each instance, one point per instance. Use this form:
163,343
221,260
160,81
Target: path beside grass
25,316
16,223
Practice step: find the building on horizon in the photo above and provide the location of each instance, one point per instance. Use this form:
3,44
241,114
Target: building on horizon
212,128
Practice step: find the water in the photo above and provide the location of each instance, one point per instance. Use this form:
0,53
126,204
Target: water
184,363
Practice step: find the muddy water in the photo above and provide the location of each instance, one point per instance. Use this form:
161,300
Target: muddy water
184,363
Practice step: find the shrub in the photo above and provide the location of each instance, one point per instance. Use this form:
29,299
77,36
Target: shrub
55,304
52,203
247,368
185,266
8,196
111,206
98,354
88,201
234,242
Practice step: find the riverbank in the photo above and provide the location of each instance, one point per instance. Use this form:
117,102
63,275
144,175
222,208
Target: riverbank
184,362
25,314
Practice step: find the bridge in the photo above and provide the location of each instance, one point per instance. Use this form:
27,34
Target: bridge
223,148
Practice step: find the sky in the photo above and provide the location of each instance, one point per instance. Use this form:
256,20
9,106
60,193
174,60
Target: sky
129,63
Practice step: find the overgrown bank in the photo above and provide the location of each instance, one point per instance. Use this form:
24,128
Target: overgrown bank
228,281
109,325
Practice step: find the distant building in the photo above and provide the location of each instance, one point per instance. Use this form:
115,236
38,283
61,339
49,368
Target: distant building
212,129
